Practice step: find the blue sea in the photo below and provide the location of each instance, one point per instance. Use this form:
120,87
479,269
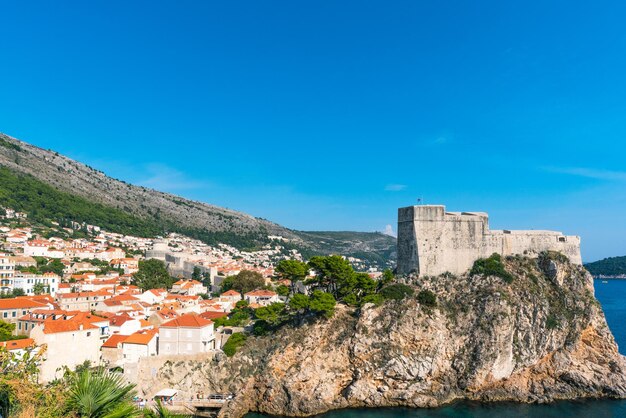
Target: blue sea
612,296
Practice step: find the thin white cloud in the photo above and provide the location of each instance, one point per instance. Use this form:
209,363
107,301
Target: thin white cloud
389,231
395,187
164,178
590,173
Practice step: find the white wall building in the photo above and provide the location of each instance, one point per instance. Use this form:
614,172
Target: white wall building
187,334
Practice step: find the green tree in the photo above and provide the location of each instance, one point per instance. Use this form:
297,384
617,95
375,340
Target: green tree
6,331
272,314
152,274
39,288
292,269
331,272
244,282
197,273
323,303
160,411
387,277
206,279
299,302
282,290
100,394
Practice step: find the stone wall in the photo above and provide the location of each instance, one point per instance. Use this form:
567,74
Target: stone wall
432,241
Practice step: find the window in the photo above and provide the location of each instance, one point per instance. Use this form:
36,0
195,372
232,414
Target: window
14,314
89,333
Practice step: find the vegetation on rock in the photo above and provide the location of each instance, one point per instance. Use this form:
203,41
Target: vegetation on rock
491,266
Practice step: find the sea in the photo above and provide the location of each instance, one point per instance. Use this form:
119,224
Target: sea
612,296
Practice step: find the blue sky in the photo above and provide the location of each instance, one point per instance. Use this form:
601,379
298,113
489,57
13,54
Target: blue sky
331,115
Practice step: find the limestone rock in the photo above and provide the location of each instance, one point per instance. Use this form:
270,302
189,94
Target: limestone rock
540,338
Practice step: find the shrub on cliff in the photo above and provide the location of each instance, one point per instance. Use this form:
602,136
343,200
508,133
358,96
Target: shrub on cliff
491,266
427,298
396,291
235,342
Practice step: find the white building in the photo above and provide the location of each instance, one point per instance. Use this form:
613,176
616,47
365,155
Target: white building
27,282
261,297
187,334
140,344
36,248
7,271
69,342
189,287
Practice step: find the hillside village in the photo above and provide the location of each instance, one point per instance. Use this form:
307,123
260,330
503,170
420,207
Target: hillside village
73,296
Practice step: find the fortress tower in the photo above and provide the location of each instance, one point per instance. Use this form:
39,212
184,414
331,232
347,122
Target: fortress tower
432,241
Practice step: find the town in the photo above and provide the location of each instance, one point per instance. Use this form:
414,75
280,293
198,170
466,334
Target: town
73,293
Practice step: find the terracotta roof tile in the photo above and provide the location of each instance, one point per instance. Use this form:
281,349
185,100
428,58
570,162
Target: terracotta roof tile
187,321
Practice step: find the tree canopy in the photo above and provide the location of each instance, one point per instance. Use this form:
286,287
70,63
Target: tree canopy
292,269
152,274
244,282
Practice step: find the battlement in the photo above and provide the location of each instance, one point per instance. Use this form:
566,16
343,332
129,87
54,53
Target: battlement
432,241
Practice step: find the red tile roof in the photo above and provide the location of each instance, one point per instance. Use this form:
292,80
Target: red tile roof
141,337
17,344
52,326
231,293
213,315
187,321
114,340
261,292
20,303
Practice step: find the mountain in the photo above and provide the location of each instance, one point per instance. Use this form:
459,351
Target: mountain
53,187
612,266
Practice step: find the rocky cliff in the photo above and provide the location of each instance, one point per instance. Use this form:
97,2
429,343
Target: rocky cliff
539,338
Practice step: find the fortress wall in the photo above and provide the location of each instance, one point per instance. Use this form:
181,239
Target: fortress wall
432,241
407,242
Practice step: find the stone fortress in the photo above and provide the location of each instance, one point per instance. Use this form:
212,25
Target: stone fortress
432,241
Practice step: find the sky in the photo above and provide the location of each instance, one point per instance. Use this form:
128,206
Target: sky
326,115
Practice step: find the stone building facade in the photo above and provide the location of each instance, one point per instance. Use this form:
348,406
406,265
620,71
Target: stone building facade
432,241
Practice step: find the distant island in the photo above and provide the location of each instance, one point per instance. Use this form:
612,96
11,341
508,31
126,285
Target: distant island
612,267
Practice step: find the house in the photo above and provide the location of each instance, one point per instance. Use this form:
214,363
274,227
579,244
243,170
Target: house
36,248
12,309
187,334
129,265
161,316
231,296
188,287
81,301
142,343
153,296
28,281
110,254
27,322
112,350
7,271
69,341
23,261
18,347
261,297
